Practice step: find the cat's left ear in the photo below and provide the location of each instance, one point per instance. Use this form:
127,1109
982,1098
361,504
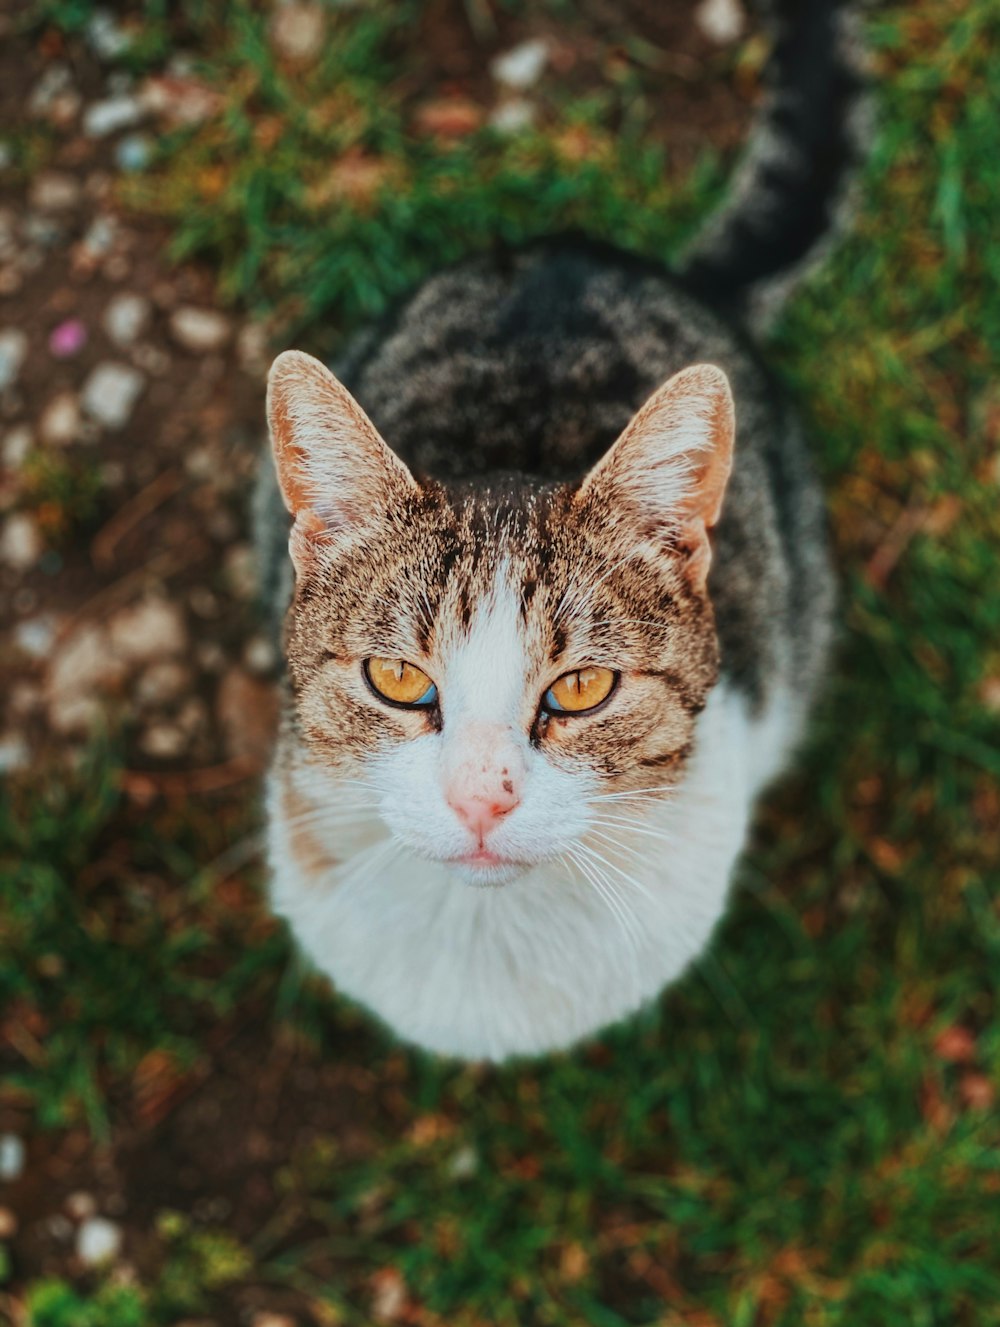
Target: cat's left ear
337,476
667,472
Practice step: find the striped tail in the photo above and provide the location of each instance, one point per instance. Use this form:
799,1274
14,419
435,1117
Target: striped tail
791,193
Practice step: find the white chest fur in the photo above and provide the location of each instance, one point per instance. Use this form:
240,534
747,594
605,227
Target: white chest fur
537,964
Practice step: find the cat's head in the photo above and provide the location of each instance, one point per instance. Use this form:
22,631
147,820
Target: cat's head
497,662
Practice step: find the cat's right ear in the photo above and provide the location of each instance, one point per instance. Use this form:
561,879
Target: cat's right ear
336,474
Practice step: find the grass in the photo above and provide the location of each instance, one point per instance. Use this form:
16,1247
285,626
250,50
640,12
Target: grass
795,1135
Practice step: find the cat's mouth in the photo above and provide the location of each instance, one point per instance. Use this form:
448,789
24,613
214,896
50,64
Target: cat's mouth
483,867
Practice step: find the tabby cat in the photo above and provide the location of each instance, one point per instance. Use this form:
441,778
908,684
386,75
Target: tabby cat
562,599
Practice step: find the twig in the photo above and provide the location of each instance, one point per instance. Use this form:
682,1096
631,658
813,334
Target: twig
107,539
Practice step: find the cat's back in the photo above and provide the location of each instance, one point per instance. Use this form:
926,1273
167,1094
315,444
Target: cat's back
535,360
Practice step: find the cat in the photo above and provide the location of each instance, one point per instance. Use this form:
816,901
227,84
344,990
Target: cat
551,637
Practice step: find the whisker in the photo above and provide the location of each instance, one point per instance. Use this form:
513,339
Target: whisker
599,886
619,871
636,827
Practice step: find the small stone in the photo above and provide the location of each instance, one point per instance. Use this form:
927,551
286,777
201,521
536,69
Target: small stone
59,1227
163,742
297,31
199,330
76,716
464,1163
17,443
35,636
14,753
110,393
42,232
108,117
98,1241
98,241
203,602
8,1223
23,700
389,1295
512,117
105,37
162,683
53,88
117,268
210,655
134,152
179,98
54,191
126,318
68,339
448,117
247,712
521,67
82,666
149,631
956,1044
151,359
721,21
59,423
268,1319
192,718
21,543
260,655
12,1157
80,1205
13,352
240,570
251,347
977,1092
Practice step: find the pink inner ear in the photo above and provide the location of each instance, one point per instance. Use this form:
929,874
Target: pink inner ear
713,466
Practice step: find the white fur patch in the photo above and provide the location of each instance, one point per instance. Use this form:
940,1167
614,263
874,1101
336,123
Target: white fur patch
548,959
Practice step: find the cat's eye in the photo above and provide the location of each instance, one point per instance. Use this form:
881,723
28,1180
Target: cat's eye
400,682
583,689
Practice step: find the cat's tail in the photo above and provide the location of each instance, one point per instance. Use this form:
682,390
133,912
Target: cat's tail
792,191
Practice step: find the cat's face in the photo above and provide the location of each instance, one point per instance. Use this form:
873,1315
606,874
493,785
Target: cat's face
495,663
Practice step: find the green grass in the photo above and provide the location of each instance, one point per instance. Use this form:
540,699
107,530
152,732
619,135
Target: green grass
781,1141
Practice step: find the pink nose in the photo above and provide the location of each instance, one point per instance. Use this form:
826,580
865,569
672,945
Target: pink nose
480,814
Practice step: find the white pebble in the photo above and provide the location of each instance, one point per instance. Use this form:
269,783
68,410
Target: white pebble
199,330
126,318
12,1155
722,21
13,352
521,67
511,117
14,754
54,191
105,38
16,446
21,543
98,1241
35,636
80,1205
110,393
59,422
107,117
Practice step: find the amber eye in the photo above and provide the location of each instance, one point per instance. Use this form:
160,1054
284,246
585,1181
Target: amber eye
578,691
400,682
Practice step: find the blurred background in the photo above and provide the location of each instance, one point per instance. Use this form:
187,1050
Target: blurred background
192,1129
